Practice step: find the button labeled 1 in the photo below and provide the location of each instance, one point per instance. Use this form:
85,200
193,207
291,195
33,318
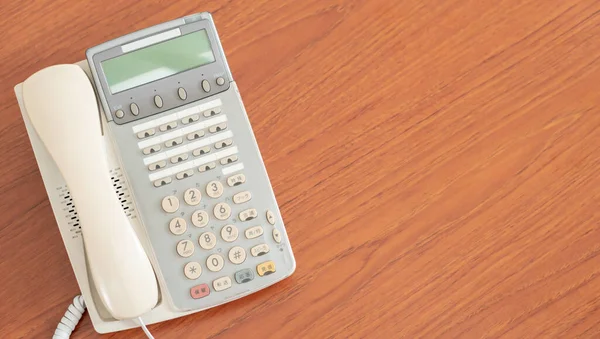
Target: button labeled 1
170,204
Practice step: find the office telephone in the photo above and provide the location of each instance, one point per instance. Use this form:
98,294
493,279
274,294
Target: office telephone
154,176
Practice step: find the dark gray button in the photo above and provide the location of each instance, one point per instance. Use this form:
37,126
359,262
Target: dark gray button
119,113
135,110
220,81
244,276
182,93
158,101
205,86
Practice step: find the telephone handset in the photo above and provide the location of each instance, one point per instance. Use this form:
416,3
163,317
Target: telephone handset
159,172
65,116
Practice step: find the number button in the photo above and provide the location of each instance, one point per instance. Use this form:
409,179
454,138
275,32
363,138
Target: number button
200,218
192,196
177,226
235,180
192,270
237,255
254,232
170,204
242,197
222,211
270,217
185,248
214,189
229,233
215,262
207,240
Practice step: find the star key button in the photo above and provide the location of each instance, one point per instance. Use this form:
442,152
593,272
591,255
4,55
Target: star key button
200,291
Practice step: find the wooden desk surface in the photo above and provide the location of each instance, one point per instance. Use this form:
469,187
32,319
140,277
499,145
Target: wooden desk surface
436,162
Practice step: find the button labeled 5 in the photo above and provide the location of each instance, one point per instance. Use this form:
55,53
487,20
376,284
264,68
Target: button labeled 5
200,218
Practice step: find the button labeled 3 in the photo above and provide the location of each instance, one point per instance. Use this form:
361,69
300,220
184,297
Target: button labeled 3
214,189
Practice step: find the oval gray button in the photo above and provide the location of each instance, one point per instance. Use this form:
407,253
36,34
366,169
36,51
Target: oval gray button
182,94
220,81
205,86
119,113
135,110
158,101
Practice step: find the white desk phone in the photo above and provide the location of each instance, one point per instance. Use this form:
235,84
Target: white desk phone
154,177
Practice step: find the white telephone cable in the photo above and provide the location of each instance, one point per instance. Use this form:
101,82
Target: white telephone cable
73,315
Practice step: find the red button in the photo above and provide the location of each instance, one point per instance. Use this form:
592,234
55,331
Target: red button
199,291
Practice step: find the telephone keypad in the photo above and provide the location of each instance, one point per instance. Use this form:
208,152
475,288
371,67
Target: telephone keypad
207,240
215,262
170,204
178,226
185,248
214,189
192,270
222,211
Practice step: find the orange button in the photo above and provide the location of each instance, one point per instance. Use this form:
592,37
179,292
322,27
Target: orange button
265,268
199,291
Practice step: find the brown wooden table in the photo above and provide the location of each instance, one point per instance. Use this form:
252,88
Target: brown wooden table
437,164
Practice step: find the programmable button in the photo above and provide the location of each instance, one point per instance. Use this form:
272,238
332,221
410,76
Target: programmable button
195,135
192,196
254,232
147,133
200,218
207,240
242,197
190,119
119,113
270,217
179,158
222,283
259,250
222,211
220,81
158,101
235,180
157,165
217,128
192,270
185,248
277,236
229,233
184,174
215,262
168,126
205,86
200,291
224,143
133,107
212,112
229,160
151,149
182,93
174,142
201,151
214,189
177,226
207,167
170,204
162,182
248,214
244,276
237,255
265,268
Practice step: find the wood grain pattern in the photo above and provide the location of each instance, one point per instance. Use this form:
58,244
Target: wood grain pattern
436,162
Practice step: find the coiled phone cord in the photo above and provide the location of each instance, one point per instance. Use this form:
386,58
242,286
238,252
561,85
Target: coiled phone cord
73,315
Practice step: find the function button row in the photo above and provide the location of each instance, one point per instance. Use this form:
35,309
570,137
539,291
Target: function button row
201,151
151,149
119,113
270,217
218,127
244,276
147,133
179,158
235,180
157,165
229,160
168,126
277,236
